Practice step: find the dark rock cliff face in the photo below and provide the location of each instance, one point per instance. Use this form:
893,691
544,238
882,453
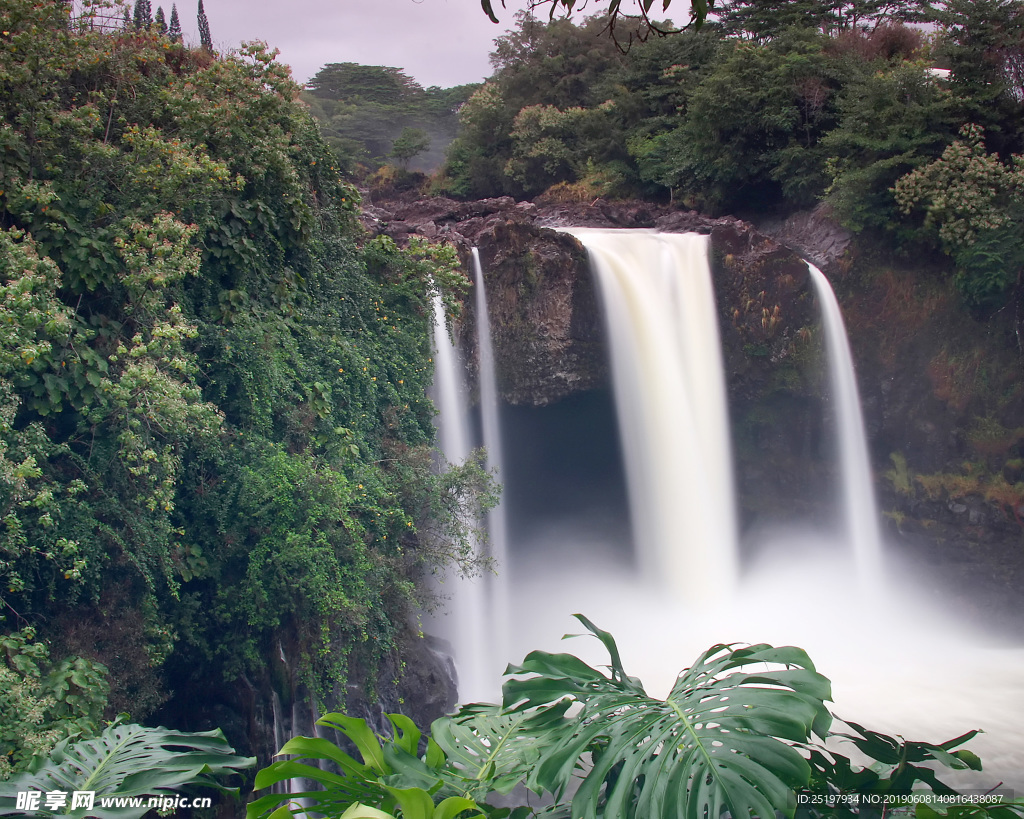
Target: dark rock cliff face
259,714
550,342
547,332
941,395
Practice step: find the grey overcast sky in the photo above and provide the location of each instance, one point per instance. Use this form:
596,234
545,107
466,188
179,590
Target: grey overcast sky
437,42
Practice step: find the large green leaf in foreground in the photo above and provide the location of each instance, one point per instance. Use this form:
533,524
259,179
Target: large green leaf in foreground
127,760
722,740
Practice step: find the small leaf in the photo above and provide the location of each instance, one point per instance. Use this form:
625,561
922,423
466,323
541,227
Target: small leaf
486,4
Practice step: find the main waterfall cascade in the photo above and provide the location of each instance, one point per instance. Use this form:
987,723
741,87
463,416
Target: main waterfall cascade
670,396
897,665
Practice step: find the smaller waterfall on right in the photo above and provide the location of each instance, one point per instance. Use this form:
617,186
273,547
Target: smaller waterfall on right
858,494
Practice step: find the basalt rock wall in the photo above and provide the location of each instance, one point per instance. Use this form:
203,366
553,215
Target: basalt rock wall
549,338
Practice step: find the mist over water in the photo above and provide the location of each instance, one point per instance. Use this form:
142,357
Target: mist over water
897,665
899,662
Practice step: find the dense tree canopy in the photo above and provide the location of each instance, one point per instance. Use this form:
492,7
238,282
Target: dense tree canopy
214,430
636,15
363,110
771,105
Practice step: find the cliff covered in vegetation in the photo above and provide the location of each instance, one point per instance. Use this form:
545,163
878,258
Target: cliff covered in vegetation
216,482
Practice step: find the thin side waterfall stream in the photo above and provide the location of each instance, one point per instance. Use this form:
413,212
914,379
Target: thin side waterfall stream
859,507
466,624
497,524
676,585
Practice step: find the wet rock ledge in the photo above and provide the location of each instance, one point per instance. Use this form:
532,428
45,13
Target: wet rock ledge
543,305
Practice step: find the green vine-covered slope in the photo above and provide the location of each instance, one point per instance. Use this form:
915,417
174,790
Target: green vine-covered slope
215,439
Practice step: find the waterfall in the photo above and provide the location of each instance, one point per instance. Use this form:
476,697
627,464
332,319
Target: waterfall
670,394
497,525
468,609
898,662
858,494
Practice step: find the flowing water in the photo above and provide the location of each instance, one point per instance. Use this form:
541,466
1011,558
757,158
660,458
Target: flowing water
465,627
670,395
674,585
497,524
858,505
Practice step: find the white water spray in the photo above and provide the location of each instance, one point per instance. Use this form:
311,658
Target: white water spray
497,524
670,394
858,491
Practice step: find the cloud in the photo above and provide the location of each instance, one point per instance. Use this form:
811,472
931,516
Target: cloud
438,42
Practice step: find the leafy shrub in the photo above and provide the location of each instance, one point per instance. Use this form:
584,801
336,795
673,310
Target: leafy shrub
127,761
740,732
41,703
204,377
975,201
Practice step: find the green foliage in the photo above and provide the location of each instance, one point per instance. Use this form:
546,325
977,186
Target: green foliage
718,742
896,767
966,192
892,121
988,269
174,26
143,14
205,40
128,760
614,14
210,395
363,111
1007,810
410,142
541,68
774,106
723,123
761,146
982,42
976,202
475,159
374,778
766,19
41,704
741,732
551,146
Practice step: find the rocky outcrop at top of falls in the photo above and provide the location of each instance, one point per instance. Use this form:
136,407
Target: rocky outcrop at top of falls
548,334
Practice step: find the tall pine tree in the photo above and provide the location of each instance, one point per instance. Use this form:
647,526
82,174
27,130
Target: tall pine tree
143,14
174,30
161,21
204,29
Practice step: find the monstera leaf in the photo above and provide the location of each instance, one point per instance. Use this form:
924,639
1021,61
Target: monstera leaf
387,777
127,761
489,750
899,766
351,782
414,803
723,740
